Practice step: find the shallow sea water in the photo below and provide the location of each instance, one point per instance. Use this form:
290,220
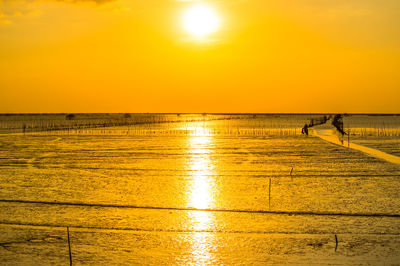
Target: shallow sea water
235,191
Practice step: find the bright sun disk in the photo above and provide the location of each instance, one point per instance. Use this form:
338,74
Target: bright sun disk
200,20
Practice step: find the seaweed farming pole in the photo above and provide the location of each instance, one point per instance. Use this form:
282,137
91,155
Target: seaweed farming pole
348,138
113,123
337,242
69,248
291,171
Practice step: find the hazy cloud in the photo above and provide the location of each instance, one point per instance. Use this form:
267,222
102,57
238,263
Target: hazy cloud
12,10
67,1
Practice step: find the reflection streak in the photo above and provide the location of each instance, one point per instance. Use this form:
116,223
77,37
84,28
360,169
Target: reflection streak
201,195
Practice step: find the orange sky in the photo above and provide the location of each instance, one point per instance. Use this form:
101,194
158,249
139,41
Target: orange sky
135,56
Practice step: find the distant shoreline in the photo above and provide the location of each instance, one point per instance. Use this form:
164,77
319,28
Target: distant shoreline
368,114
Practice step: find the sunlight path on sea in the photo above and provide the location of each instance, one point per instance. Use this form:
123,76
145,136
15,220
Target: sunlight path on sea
201,195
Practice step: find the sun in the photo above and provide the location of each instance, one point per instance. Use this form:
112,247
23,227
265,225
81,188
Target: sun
200,20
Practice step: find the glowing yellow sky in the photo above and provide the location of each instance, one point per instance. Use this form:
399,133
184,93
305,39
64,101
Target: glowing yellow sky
135,56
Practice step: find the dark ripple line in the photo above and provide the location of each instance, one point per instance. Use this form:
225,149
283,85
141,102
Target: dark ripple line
310,213
267,174
179,230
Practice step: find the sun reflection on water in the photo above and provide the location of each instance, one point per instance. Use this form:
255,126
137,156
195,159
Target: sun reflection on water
201,168
201,194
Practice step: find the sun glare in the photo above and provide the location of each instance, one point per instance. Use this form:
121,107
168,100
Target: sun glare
200,20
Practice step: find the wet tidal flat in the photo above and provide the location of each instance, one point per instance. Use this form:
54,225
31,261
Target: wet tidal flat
224,191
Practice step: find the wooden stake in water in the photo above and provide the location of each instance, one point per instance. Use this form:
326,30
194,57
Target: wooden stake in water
348,139
291,171
69,247
337,242
269,194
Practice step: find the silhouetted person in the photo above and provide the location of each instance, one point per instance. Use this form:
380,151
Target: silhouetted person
304,130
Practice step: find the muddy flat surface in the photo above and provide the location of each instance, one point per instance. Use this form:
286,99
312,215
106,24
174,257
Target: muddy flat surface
267,195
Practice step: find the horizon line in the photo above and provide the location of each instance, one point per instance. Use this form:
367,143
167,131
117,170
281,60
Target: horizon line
202,113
